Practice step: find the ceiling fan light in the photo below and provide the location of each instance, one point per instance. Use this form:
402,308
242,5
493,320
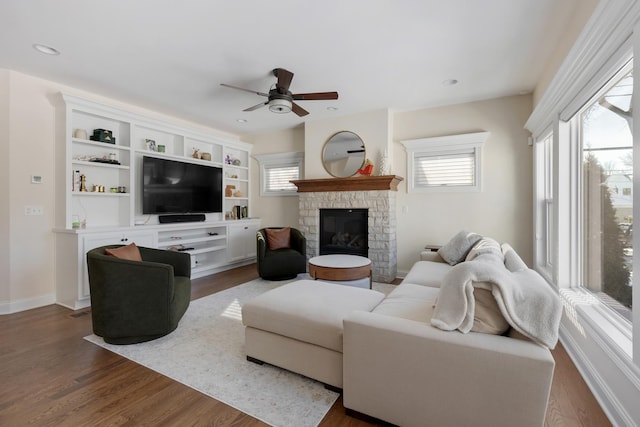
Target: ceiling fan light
280,106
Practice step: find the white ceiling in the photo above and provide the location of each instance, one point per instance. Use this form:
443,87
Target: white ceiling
171,55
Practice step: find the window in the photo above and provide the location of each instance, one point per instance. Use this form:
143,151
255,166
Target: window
447,163
276,172
544,208
606,145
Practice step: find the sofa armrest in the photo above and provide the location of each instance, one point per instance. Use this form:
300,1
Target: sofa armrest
405,372
430,255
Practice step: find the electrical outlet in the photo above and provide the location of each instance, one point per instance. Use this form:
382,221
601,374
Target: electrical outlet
33,210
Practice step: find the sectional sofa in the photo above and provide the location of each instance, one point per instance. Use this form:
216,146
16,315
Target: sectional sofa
390,360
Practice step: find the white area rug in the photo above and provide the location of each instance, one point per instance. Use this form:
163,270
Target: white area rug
206,353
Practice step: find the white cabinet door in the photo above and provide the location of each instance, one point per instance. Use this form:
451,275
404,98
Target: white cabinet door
242,241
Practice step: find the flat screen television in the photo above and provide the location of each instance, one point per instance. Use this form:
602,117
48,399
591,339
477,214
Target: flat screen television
174,187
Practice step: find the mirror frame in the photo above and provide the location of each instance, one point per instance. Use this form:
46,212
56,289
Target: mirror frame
348,172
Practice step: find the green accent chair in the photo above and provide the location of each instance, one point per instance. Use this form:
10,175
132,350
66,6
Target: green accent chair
281,264
138,301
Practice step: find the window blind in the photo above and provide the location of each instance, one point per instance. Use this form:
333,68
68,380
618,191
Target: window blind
277,178
455,169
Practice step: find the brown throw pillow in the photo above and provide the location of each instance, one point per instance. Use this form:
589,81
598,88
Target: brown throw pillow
488,318
129,252
279,238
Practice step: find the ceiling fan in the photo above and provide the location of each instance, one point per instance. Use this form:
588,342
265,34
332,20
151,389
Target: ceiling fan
280,99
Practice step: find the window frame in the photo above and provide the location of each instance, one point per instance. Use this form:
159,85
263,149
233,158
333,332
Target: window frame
279,160
445,145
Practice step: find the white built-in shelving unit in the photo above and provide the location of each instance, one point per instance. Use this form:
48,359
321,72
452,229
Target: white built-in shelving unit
115,216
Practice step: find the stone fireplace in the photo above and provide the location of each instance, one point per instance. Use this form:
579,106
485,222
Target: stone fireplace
376,194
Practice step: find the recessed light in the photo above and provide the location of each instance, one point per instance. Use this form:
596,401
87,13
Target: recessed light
332,108
47,50
449,82
241,120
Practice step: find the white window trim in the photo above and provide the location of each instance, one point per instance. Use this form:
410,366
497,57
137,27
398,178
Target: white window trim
544,202
450,144
282,160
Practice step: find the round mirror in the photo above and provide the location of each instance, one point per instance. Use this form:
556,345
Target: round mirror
343,154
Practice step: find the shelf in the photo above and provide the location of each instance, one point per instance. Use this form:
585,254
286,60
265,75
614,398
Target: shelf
99,165
100,144
236,179
98,194
205,250
236,198
227,165
174,242
179,158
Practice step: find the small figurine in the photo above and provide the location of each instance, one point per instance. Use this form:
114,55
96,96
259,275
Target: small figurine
228,159
83,183
367,168
196,153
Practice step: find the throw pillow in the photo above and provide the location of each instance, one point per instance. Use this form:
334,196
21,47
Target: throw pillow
129,252
279,238
458,247
488,318
484,245
512,260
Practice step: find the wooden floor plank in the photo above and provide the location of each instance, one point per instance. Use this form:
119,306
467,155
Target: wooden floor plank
51,376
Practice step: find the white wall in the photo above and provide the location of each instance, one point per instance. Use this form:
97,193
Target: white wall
503,210
5,177
374,128
274,211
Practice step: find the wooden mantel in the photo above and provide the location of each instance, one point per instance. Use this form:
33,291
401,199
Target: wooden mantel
355,183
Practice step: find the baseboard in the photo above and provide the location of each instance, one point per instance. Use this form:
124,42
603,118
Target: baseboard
9,307
606,397
401,274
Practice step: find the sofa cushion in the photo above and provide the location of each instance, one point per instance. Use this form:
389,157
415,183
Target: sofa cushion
427,273
129,252
487,318
308,310
458,247
409,301
278,238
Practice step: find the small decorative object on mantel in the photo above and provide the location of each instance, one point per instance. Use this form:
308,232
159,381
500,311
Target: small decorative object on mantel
196,153
367,168
205,156
385,168
228,159
236,162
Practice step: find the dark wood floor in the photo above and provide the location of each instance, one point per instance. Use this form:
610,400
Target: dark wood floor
50,376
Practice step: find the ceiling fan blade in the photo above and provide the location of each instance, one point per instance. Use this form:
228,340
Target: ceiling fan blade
255,107
315,96
246,90
284,79
301,112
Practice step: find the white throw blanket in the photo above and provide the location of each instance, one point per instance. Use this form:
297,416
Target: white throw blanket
525,299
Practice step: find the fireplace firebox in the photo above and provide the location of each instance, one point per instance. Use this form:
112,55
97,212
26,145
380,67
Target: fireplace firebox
344,231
